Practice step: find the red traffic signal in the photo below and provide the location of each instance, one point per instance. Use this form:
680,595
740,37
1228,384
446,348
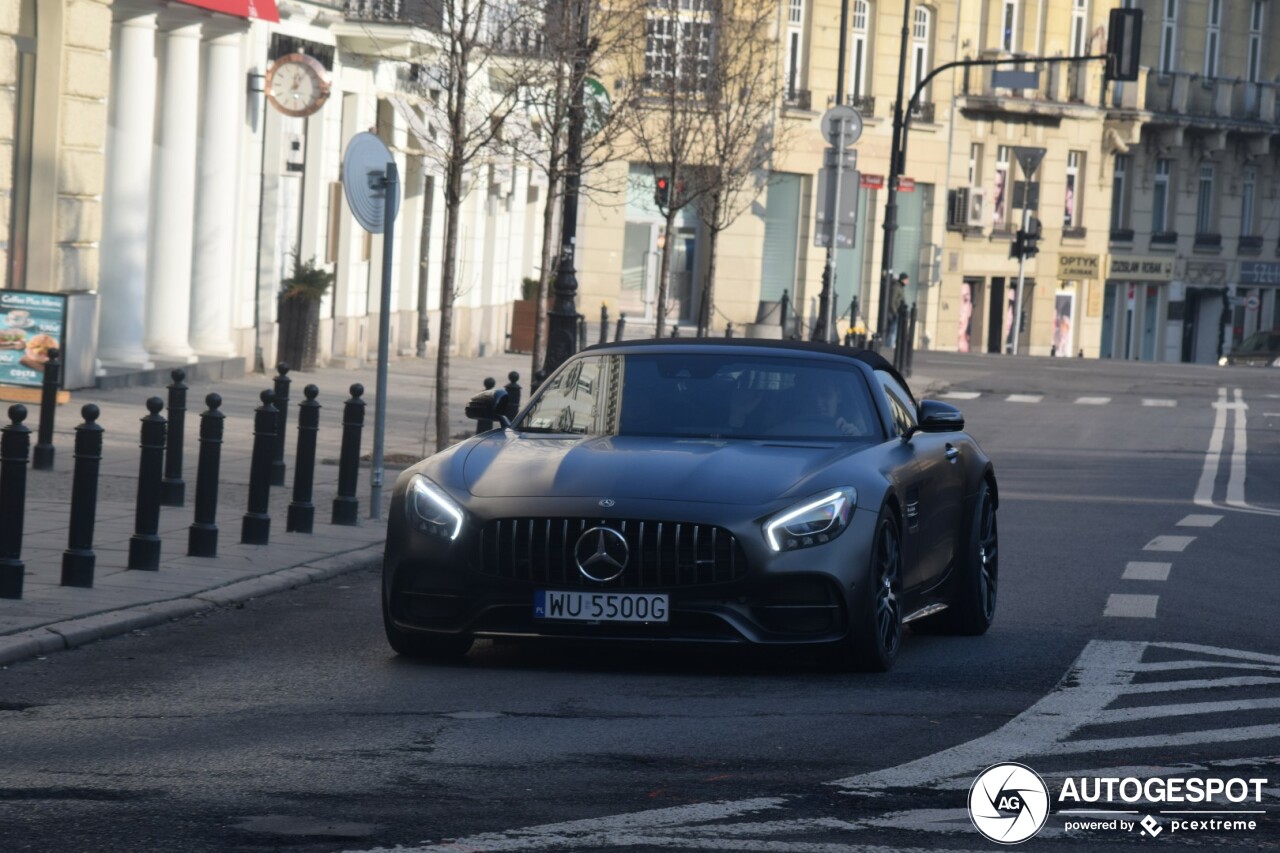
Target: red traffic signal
662,191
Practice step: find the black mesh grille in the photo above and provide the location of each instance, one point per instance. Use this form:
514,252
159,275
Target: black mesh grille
662,554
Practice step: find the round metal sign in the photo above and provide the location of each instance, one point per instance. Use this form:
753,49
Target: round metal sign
1251,302
364,174
842,116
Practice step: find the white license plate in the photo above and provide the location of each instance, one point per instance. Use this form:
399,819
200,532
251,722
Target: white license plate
600,606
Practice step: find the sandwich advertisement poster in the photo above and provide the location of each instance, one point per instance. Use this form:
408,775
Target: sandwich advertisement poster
31,324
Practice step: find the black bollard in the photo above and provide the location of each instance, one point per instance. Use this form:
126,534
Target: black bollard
15,444
78,560
42,453
282,403
582,331
910,345
785,310
302,512
483,425
675,331
173,489
346,507
513,392
604,323
728,330
539,377
622,324
202,535
255,529
144,544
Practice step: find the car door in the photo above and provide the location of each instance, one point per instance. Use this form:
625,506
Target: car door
933,491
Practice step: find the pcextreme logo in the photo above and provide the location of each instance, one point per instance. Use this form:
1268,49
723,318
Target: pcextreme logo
1008,803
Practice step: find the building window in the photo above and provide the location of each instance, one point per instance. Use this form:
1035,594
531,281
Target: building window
1119,201
1071,207
678,45
1256,11
1009,26
1204,202
920,49
1079,26
1211,36
858,49
975,164
1160,198
1247,190
795,46
1169,37
1000,199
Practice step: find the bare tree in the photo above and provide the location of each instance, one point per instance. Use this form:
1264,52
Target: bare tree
549,101
744,93
485,51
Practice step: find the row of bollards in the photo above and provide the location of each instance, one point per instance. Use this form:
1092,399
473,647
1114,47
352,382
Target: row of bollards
160,476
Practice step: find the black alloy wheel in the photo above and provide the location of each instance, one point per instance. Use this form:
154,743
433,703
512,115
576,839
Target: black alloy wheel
875,638
973,596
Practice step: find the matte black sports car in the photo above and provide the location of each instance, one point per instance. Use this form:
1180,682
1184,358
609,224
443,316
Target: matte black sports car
713,491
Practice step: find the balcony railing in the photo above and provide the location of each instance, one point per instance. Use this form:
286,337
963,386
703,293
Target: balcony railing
1121,235
376,10
923,113
1208,243
1251,245
864,104
1164,238
1192,95
799,99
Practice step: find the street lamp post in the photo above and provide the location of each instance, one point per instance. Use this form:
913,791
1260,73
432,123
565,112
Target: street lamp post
824,328
562,320
895,170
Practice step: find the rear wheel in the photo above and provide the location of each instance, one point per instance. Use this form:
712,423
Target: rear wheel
875,634
973,593
412,644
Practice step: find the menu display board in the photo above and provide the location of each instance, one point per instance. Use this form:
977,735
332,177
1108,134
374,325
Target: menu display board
31,324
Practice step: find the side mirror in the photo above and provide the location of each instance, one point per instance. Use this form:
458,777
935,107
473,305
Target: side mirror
937,416
491,405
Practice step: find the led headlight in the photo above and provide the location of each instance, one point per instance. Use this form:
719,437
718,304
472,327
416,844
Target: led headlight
430,509
812,522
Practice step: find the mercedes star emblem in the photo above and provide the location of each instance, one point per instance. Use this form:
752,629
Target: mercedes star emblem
601,554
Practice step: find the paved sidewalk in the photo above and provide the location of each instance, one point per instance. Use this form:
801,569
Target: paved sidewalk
51,617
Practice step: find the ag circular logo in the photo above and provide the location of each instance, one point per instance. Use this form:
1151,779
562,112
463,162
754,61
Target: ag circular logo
1008,803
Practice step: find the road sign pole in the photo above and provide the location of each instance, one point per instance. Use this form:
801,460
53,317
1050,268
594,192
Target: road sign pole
391,189
829,292
1022,262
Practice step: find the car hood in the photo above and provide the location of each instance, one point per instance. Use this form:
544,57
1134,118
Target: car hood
637,467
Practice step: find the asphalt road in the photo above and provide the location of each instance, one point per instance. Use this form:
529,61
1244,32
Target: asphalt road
287,724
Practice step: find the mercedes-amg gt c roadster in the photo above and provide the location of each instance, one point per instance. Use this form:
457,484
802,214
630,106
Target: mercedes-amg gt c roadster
702,491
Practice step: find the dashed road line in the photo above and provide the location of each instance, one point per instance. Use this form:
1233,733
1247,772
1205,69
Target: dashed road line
1092,401
1024,398
1131,606
1138,571
1166,404
962,395
1169,543
1195,520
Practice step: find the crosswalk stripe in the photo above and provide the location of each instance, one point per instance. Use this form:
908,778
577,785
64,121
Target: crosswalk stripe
1146,572
1024,398
1172,665
1131,606
1164,740
1196,520
962,395
1151,712
1092,401
1169,543
1201,684
1168,404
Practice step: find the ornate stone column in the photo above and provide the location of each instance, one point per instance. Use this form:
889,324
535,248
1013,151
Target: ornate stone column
218,169
123,280
173,192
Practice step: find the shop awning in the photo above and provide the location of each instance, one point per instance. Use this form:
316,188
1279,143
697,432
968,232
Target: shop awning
262,9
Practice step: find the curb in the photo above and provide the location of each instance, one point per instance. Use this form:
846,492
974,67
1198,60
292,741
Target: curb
71,633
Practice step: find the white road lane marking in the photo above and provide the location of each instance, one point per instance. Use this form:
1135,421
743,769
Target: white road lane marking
1146,571
1169,543
1092,401
1131,606
1213,456
1163,741
1152,712
1196,520
962,395
1213,459
1166,404
1230,654
1203,684
1271,414
1239,451
1024,398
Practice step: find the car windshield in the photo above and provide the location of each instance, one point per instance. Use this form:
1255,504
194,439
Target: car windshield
705,395
1261,342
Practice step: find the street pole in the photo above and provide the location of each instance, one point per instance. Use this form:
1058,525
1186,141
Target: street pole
1022,262
895,171
824,328
562,321
390,187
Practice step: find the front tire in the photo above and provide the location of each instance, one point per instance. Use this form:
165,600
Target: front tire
973,598
875,632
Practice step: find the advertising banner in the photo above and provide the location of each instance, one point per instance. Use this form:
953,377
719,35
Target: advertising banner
31,324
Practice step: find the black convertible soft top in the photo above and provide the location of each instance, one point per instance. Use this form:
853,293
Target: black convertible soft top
871,358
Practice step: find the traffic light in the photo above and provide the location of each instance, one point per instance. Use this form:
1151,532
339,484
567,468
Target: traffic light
1018,248
1124,43
1031,238
662,191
